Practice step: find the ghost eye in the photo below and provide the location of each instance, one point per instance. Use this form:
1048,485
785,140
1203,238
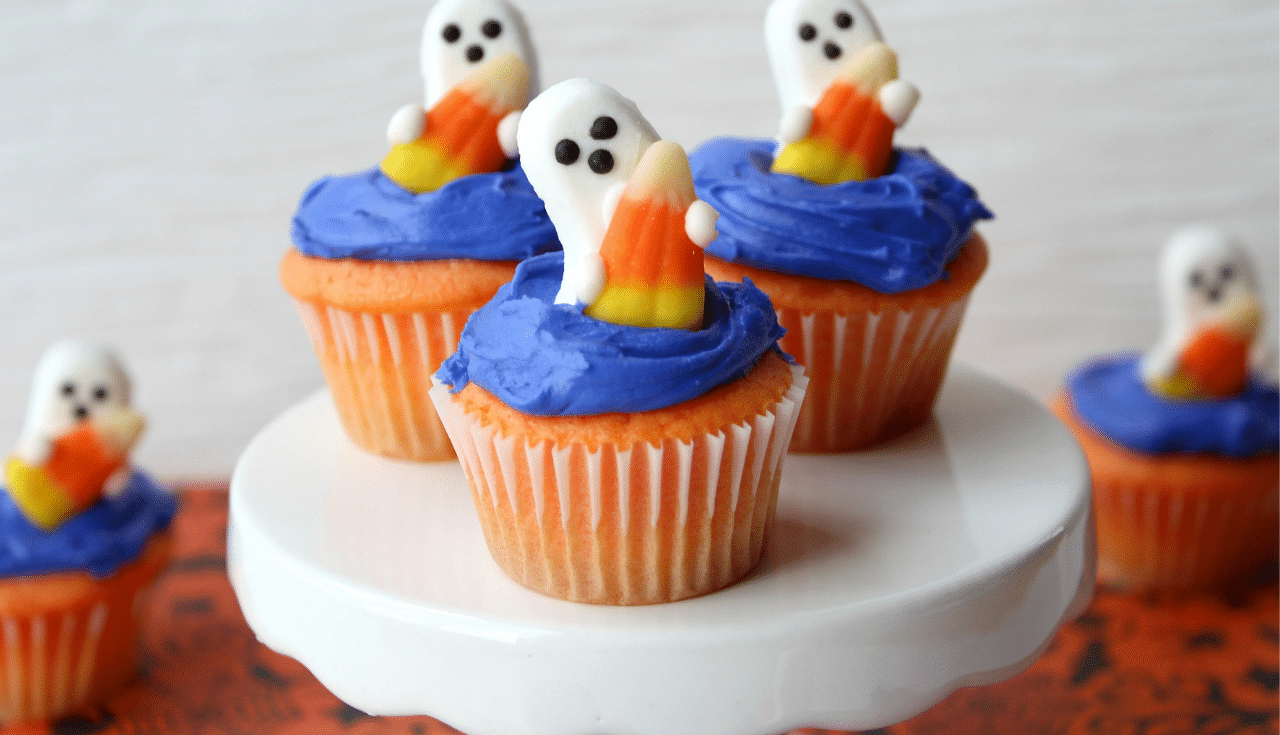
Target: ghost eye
808,32
600,161
491,28
100,393
1228,273
68,389
567,152
1197,279
843,20
604,128
451,33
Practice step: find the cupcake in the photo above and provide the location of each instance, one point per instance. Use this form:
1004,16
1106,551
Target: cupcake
621,419
389,263
868,252
84,536
1182,441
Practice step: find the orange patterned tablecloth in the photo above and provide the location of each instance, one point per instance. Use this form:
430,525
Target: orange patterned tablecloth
1131,665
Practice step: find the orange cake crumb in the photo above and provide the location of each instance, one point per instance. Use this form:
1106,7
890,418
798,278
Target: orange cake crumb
393,286
732,403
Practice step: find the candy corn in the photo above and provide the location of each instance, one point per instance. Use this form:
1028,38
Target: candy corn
1214,364
72,478
653,269
460,136
851,138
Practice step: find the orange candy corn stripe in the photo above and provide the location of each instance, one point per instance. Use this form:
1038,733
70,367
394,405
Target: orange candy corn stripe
1214,364
70,481
851,138
654,272
460,136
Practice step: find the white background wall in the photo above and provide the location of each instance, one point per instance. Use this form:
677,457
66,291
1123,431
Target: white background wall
152,152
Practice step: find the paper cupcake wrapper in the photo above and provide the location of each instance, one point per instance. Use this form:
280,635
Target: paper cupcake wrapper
378,368
50,662
643,524
871,375
1153,538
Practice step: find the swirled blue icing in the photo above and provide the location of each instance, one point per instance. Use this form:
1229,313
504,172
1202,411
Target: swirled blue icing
892,234
1109,395
551,359
100,540
494,216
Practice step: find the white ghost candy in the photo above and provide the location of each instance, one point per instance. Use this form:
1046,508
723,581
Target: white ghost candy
809,41
74,380
459,35
579,144
1207,278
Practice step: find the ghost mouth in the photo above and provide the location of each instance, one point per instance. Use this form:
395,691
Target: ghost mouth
474,53
832,51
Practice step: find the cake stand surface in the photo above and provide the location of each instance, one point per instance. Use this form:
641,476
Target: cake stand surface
946,558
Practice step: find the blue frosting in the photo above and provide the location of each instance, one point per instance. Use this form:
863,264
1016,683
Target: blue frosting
105,537
551,359
1109,395
892,234
366,215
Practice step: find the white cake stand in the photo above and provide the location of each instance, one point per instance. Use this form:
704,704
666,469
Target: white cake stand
892,577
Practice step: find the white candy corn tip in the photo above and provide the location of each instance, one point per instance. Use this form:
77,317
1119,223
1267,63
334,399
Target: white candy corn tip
809,41
579,140
460,35
74,380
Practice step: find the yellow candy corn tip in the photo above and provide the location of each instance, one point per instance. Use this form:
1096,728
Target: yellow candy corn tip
675,307
422,166
35,493
501,86
820,162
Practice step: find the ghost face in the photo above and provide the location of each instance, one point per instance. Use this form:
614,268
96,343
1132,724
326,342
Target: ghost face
74,381
810,40
1206,274
460,35
579,144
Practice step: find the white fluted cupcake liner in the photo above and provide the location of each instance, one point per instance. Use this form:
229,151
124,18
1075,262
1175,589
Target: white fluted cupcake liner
378,368
50,662
1174,538
631,525
872,375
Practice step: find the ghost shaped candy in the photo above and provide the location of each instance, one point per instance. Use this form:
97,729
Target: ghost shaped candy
479,70
1210,345
580,144
77,434
839,88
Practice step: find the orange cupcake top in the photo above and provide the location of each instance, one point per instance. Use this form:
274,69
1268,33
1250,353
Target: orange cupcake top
387,286
731,403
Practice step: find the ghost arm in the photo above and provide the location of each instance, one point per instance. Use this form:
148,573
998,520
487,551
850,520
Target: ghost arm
700,223
507,127
34,448
1264,362
795,125
898,99
406,125
117,482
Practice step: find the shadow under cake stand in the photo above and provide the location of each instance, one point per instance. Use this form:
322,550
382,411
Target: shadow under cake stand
946,558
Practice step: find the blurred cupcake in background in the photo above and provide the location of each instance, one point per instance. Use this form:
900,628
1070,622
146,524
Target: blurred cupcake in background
84,535
868,251
1182,441
389,263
